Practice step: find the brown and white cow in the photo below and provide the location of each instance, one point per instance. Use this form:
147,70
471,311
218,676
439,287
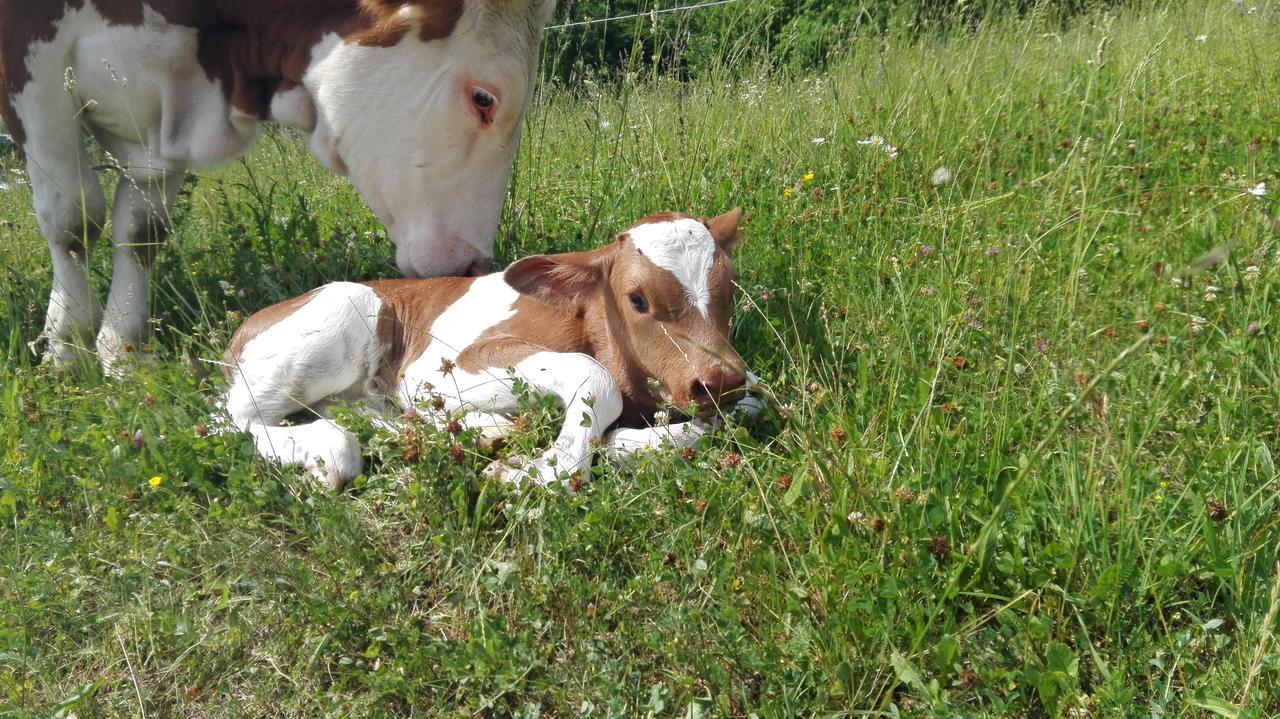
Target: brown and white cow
613,333
418,102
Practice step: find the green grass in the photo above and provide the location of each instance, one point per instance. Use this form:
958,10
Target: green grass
1014,468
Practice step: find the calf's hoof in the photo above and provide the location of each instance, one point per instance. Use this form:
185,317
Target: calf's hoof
507,469
333,481
520,470
333,456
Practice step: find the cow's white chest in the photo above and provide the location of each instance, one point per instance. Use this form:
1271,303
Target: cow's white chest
142,86
488,302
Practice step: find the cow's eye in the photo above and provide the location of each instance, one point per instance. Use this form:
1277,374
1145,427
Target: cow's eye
638,302
483,99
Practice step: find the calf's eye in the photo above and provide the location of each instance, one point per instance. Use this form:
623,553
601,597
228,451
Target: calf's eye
638,302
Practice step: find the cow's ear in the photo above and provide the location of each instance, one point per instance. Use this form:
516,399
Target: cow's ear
556,279
725,228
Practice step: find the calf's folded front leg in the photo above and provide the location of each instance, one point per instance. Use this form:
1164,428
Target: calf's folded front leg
627,440
592,401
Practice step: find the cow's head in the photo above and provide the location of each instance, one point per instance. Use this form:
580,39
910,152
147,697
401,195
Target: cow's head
422,112
662,296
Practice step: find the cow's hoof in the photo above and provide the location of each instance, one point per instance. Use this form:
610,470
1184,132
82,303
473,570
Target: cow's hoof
59,354
118,360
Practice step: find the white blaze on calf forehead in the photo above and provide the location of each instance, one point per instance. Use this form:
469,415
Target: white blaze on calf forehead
686,249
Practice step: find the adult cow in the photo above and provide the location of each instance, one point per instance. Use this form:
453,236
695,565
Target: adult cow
418,102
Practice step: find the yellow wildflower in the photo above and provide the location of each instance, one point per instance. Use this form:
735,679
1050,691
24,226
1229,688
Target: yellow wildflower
808,177
789,192
155,481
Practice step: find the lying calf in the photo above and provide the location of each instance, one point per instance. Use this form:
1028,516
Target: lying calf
612,333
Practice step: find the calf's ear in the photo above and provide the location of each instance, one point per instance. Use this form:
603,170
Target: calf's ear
724,228
555,279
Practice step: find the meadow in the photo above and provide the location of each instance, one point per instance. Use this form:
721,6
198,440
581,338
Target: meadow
1013,292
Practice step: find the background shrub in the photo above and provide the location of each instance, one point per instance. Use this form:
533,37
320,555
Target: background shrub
787,33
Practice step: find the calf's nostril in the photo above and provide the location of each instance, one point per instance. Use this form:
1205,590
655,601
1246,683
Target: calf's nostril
716,384
730,381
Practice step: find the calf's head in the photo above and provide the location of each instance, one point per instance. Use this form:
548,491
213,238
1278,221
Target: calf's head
657,301
422,113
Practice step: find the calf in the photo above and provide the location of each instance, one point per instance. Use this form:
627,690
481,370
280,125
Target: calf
613,333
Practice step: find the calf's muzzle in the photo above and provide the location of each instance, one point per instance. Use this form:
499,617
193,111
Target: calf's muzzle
719,386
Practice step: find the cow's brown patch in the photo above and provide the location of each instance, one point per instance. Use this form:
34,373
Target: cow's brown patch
438,18
258,323
434,19
23,22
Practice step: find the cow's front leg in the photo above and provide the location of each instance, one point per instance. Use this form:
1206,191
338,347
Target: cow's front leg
139,225
70,209
592,401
